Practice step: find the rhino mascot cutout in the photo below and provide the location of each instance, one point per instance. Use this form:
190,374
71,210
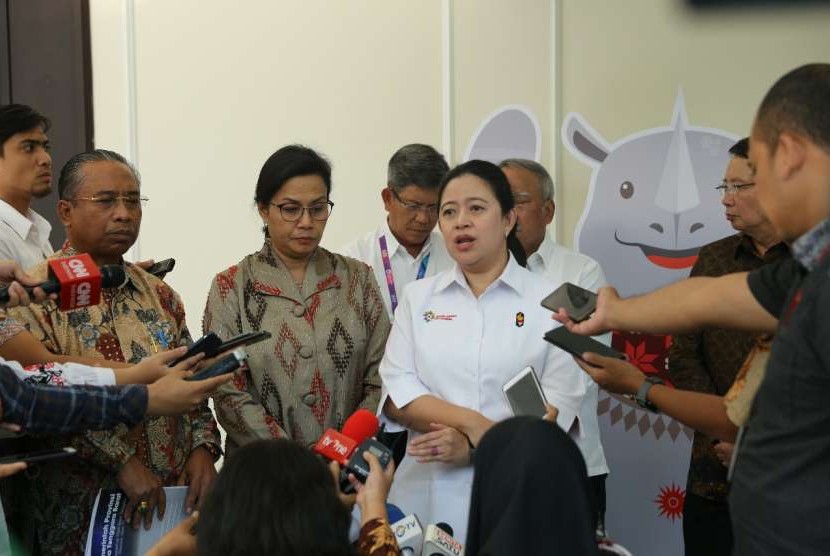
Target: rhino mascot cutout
652,202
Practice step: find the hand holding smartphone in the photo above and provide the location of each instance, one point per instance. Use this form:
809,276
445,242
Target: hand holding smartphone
576,345
578,302
211,345
524,394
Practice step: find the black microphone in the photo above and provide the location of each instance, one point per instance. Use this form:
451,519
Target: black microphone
112,276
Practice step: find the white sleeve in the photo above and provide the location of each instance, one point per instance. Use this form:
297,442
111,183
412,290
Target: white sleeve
564,386
397,369
64,374
591,277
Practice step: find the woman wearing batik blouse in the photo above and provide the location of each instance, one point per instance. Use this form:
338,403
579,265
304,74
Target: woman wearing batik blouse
324,312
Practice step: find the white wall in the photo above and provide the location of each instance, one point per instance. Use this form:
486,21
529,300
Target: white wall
219,86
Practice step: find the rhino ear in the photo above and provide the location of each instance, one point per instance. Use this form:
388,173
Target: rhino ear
584,142
512,131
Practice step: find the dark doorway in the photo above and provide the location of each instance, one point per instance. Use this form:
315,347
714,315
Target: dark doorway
45,62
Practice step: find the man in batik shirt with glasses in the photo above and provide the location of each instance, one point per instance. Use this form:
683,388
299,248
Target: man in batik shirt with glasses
708,361
101,207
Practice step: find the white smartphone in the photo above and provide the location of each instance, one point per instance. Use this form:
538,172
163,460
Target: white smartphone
525,395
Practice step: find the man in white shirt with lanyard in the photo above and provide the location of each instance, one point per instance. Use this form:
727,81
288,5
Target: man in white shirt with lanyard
25,173
406,247
532,189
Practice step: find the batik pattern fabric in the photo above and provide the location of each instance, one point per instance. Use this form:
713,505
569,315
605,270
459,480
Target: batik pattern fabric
131,322
377,539
321,362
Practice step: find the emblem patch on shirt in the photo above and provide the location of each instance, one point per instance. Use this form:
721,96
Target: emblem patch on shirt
432,315
520,319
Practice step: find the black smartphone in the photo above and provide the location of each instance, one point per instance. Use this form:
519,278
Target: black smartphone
225,365
161,268
578,302
207,344
576,345
40,456
242,340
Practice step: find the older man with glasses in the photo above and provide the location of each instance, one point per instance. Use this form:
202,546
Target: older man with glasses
406,246
708,361
101,207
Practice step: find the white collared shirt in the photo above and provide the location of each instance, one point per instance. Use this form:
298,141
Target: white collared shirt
404,266
560,264
24,239
447,343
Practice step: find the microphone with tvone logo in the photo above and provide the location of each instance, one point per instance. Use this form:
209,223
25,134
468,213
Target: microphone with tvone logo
338,446
409,534
438,541
77,281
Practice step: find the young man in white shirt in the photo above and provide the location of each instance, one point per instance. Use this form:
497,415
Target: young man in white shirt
25,173
406,247
532,189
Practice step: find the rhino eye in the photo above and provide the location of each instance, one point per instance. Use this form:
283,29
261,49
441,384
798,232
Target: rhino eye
626,189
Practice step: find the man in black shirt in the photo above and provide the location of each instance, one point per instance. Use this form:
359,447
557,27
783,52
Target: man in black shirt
780,495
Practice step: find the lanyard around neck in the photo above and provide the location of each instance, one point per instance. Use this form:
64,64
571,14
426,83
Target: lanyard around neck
387,270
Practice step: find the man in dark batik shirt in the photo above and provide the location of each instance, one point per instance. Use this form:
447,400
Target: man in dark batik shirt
708,361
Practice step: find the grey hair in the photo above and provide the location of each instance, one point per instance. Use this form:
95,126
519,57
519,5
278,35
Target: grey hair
545,181
416,164
72,172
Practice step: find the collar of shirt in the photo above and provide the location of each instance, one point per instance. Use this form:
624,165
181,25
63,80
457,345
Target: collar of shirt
747,246
395,247
814,246
272,278
511,276
22,225
538,261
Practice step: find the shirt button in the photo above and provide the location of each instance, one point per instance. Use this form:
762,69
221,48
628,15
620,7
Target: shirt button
306,352
299,310
310,399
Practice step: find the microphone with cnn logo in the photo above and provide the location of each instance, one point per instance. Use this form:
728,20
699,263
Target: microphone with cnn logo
77,281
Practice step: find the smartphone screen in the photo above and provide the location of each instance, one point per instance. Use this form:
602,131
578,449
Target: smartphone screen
524,394
576,345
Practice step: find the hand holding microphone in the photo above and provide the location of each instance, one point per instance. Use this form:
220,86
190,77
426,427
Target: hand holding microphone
76,280
16,291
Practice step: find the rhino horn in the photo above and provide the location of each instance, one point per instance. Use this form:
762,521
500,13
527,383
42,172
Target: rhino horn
677,189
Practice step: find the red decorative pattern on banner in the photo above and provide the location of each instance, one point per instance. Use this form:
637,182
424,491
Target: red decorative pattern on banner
648,352
670,501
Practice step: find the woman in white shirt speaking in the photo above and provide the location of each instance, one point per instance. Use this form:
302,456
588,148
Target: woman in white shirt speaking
458,337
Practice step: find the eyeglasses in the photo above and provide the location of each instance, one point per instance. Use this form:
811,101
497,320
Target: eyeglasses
108,202
429,210
726,188
291,212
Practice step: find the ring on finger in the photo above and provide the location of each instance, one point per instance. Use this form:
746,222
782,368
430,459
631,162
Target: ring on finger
143,506
434,451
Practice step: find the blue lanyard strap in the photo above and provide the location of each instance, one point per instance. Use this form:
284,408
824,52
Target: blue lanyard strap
387,271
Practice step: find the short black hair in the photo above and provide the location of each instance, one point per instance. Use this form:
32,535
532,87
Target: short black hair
17,118
496,180
72,173
798,102
289,162
740,149
273,497
416,164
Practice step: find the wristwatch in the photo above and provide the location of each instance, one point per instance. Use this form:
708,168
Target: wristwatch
641,397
